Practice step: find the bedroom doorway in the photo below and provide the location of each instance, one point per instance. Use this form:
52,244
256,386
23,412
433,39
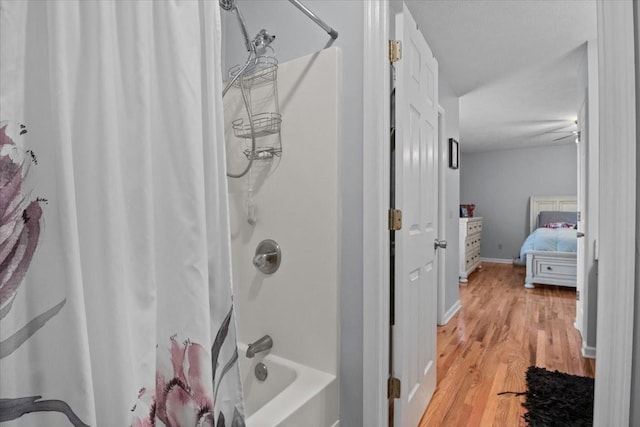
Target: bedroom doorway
617,174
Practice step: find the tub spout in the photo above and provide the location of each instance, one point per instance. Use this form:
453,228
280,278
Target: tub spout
263,344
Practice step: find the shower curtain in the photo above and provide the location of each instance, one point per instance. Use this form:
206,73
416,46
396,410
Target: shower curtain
115,280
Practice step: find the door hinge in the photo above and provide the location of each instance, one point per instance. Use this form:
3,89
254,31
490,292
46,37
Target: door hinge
395,219
393,388
395,50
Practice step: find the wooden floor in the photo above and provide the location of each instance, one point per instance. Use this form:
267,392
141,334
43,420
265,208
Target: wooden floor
501,329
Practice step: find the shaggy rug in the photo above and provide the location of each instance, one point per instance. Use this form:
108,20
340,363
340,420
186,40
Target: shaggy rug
556,399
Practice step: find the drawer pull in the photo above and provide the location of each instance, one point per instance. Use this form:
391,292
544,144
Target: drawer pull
549,268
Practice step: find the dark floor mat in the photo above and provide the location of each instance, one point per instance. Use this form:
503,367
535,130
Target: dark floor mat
558,399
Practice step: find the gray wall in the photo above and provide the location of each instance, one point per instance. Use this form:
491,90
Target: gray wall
450,102
297,35
500,183
634,419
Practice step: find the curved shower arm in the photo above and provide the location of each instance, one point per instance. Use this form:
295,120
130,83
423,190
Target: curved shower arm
333,33
243,28
232,6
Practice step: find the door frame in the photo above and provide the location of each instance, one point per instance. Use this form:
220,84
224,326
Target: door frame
376,187
582,258
617,175
443,256
617,206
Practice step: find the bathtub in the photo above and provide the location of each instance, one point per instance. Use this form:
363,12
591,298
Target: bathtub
292,395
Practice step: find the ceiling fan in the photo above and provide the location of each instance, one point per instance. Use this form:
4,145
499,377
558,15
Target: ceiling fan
570,132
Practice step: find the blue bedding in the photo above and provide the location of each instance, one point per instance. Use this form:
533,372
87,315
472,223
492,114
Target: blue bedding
550,239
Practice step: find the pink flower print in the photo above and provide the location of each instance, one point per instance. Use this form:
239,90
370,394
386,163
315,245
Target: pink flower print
20,224
18,243
19,220
183,389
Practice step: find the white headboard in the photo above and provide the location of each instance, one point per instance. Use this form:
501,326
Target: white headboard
549,203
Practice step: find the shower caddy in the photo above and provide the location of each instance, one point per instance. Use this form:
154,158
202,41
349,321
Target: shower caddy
260,71
260,84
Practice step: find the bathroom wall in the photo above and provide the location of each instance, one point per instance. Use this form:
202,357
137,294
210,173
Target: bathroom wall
296,199
297,35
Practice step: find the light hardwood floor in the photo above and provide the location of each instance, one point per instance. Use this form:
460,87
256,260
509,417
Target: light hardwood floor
501,329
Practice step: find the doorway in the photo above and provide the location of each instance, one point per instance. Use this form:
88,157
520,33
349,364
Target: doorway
618,174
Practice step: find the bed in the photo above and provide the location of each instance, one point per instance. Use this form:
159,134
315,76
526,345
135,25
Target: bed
550,249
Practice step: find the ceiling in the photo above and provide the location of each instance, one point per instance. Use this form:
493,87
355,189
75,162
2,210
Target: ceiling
513,63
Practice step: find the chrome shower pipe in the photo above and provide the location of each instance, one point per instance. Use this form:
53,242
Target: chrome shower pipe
333,33
232,6
243,28
250,59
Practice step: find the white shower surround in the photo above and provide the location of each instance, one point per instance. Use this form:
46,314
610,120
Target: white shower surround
297,201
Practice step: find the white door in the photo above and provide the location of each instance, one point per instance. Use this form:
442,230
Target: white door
582,209
416,194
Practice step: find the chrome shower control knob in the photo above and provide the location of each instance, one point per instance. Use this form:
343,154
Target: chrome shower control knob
267,257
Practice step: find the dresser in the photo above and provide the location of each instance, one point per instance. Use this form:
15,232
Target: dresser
470,239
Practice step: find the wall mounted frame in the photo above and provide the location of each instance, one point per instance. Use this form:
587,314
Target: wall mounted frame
454,153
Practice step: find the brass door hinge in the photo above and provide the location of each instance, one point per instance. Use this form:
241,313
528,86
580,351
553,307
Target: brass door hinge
393,388
395,50
395,219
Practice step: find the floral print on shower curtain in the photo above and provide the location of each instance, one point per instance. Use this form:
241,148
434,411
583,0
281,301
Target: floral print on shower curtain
115,281
180,396
20,225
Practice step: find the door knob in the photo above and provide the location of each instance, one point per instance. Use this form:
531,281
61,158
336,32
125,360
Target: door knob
579,234
440,244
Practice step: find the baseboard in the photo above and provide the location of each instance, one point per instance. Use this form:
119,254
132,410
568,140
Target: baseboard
575,325
451,312
497,260
588,352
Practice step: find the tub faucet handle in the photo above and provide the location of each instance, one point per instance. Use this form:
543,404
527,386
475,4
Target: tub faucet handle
260,260
267,257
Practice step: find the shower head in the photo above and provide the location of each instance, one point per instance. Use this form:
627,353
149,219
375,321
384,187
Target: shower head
228,4
262,40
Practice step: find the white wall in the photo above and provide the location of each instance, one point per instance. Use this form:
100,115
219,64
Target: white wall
297,35
450,102
500,183
296,200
